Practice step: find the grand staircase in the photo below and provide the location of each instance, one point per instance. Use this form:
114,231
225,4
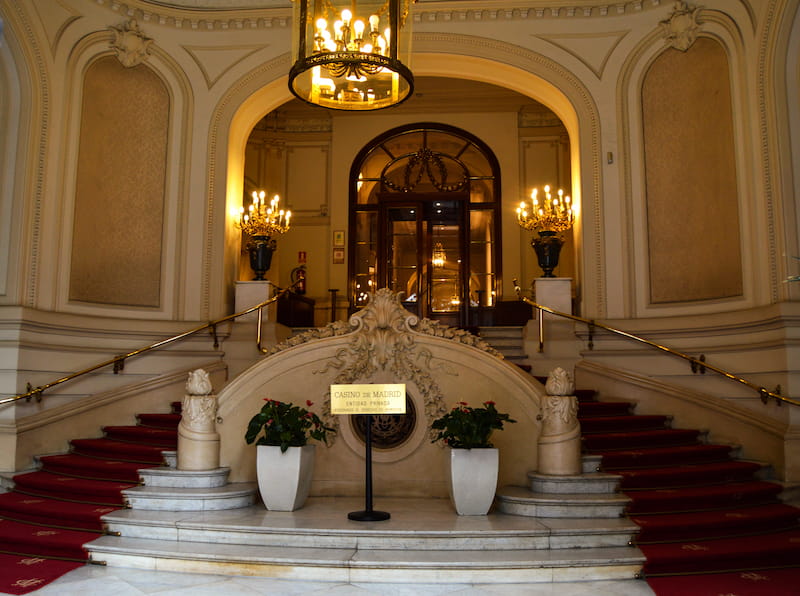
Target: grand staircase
651,501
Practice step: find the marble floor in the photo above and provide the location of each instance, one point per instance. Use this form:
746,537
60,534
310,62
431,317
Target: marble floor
93,580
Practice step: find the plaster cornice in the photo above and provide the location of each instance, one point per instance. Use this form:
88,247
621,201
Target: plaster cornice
215,15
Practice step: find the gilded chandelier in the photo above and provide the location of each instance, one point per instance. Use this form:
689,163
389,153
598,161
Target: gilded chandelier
551,214
349,58
262,219
547,217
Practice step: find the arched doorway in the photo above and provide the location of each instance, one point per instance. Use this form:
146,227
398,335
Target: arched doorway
547,83
425,221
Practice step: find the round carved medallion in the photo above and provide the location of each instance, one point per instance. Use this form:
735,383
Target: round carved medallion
388,430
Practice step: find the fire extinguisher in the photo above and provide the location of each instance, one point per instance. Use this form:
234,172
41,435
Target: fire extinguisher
298,278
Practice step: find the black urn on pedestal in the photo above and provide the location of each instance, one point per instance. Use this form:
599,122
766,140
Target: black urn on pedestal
547,247
261,249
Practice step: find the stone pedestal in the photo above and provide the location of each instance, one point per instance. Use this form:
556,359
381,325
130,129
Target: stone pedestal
198,441
560,440
250,293
560,347
555,293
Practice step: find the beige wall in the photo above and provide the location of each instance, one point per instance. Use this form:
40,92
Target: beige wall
222,71
119,193
692,202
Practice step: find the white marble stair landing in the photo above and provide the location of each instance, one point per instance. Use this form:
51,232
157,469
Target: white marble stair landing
425,541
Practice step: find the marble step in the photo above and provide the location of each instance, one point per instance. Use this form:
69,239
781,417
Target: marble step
501,331
591,483
170,458
358,564
504,342
521,501
172,478
165,498
591,463
255,526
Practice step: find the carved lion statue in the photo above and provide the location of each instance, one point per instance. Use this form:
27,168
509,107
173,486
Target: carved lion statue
198,383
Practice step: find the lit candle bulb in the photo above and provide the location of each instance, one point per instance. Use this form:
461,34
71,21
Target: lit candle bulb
374,21
346,16
358,26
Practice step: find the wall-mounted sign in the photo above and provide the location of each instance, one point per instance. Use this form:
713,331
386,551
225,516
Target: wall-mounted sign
376,398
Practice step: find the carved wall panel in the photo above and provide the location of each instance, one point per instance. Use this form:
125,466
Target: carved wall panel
119,193
690,170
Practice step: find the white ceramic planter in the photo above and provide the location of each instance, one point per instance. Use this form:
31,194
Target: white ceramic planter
473,479
284,479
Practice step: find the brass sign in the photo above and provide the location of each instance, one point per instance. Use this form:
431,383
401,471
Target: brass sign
379,398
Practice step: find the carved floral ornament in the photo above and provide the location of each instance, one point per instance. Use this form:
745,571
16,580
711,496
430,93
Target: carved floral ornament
198,383
130,44
680,30
383,342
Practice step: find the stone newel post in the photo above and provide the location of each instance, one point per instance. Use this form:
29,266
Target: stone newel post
198,441
560,441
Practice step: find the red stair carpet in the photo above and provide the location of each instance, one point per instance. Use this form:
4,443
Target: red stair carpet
710,525
54,511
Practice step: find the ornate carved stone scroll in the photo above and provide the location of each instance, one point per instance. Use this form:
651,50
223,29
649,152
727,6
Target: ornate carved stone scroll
198,441
130,44
560,441
680,30
383,345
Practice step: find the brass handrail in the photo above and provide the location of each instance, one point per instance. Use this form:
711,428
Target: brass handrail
696,363
119,361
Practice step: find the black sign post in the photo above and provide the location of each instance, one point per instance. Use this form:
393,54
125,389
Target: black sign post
365,400
368,513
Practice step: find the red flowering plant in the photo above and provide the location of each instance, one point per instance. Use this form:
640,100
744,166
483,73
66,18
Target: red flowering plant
285,425
465,427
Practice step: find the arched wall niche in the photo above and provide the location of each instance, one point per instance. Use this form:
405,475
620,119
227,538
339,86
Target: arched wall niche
690,170
120,194
750,201
174,228
25,93
550,85
786,104
10,121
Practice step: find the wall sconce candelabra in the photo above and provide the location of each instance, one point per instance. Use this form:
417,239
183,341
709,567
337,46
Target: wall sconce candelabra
349,57
262,221
548,216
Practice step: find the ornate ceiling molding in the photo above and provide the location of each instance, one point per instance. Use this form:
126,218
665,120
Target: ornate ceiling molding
468,10
216,15
202,19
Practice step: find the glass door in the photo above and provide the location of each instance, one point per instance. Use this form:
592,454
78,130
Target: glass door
425,257
403,257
